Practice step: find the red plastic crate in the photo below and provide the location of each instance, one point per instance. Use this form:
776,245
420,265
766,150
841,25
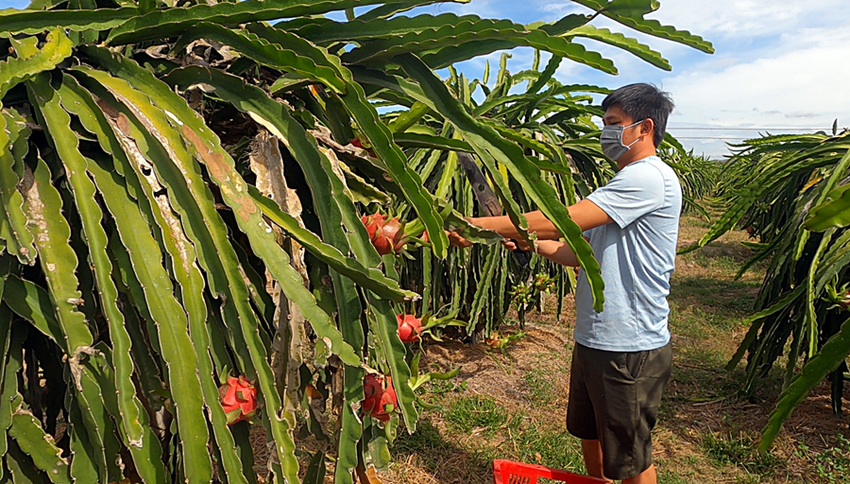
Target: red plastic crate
508,472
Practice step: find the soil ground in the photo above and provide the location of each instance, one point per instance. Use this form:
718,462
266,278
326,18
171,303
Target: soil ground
510,402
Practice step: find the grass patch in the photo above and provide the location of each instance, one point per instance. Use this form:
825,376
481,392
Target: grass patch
468,413
697,322
551,448
831,465
721,262
741,452
671,478
696,384
431,450
711,294
426,439
539,386
443,387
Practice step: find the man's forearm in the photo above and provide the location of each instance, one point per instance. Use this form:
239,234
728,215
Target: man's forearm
585,214
557,251
537,222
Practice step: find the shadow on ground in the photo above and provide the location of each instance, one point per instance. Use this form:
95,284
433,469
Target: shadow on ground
443,461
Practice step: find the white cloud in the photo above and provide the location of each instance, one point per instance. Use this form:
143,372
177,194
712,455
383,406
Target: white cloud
482,8
798,84
748,18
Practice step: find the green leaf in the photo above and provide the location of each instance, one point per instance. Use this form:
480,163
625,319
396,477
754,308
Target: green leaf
434,37
12,360
50,229
545,76
205,147
288,54
833,352
408,118
173,22
19,241
381,138
489,143
321,178
176,345
418,140
57,122
56,48
390,9
772,173
320,321
33,303
473,37
453,52
37,21
84,452
631,14
371,279
835,211
359,190
333,216
276,117
483,290
34,442
367,118
323,31
316,469
835,260
193,286
455,222
98,425
329,201
617,39
566,24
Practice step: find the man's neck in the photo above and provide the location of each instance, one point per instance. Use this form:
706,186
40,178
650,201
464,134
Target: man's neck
637,156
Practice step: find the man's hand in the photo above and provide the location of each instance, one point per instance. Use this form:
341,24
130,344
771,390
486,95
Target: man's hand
457,240
585,214
517,244
557,251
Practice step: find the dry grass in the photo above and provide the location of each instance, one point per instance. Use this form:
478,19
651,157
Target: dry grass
705,433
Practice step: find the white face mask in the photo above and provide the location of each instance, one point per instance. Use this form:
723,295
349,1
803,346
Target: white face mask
611,140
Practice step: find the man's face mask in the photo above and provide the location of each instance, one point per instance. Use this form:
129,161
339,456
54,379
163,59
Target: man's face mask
611,140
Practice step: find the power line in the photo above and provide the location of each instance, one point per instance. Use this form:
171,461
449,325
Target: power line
749,129
712,137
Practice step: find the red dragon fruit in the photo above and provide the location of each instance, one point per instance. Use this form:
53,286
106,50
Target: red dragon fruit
386,235
379,402
409,327
238,398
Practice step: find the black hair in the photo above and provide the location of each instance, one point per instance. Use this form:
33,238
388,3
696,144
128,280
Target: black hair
640,101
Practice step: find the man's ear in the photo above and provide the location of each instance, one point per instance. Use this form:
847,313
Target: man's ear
647,126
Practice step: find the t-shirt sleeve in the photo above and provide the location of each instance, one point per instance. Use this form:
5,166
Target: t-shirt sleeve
631,194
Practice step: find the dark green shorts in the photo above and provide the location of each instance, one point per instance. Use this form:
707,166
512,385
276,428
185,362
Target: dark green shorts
614,398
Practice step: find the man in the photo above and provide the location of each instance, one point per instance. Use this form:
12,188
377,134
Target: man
621,362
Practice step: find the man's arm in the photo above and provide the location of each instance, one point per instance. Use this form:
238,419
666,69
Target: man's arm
557,251
585,213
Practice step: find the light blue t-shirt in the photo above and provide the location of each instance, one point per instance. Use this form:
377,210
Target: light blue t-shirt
637,254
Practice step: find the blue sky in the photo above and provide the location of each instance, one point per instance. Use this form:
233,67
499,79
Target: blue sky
778,63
